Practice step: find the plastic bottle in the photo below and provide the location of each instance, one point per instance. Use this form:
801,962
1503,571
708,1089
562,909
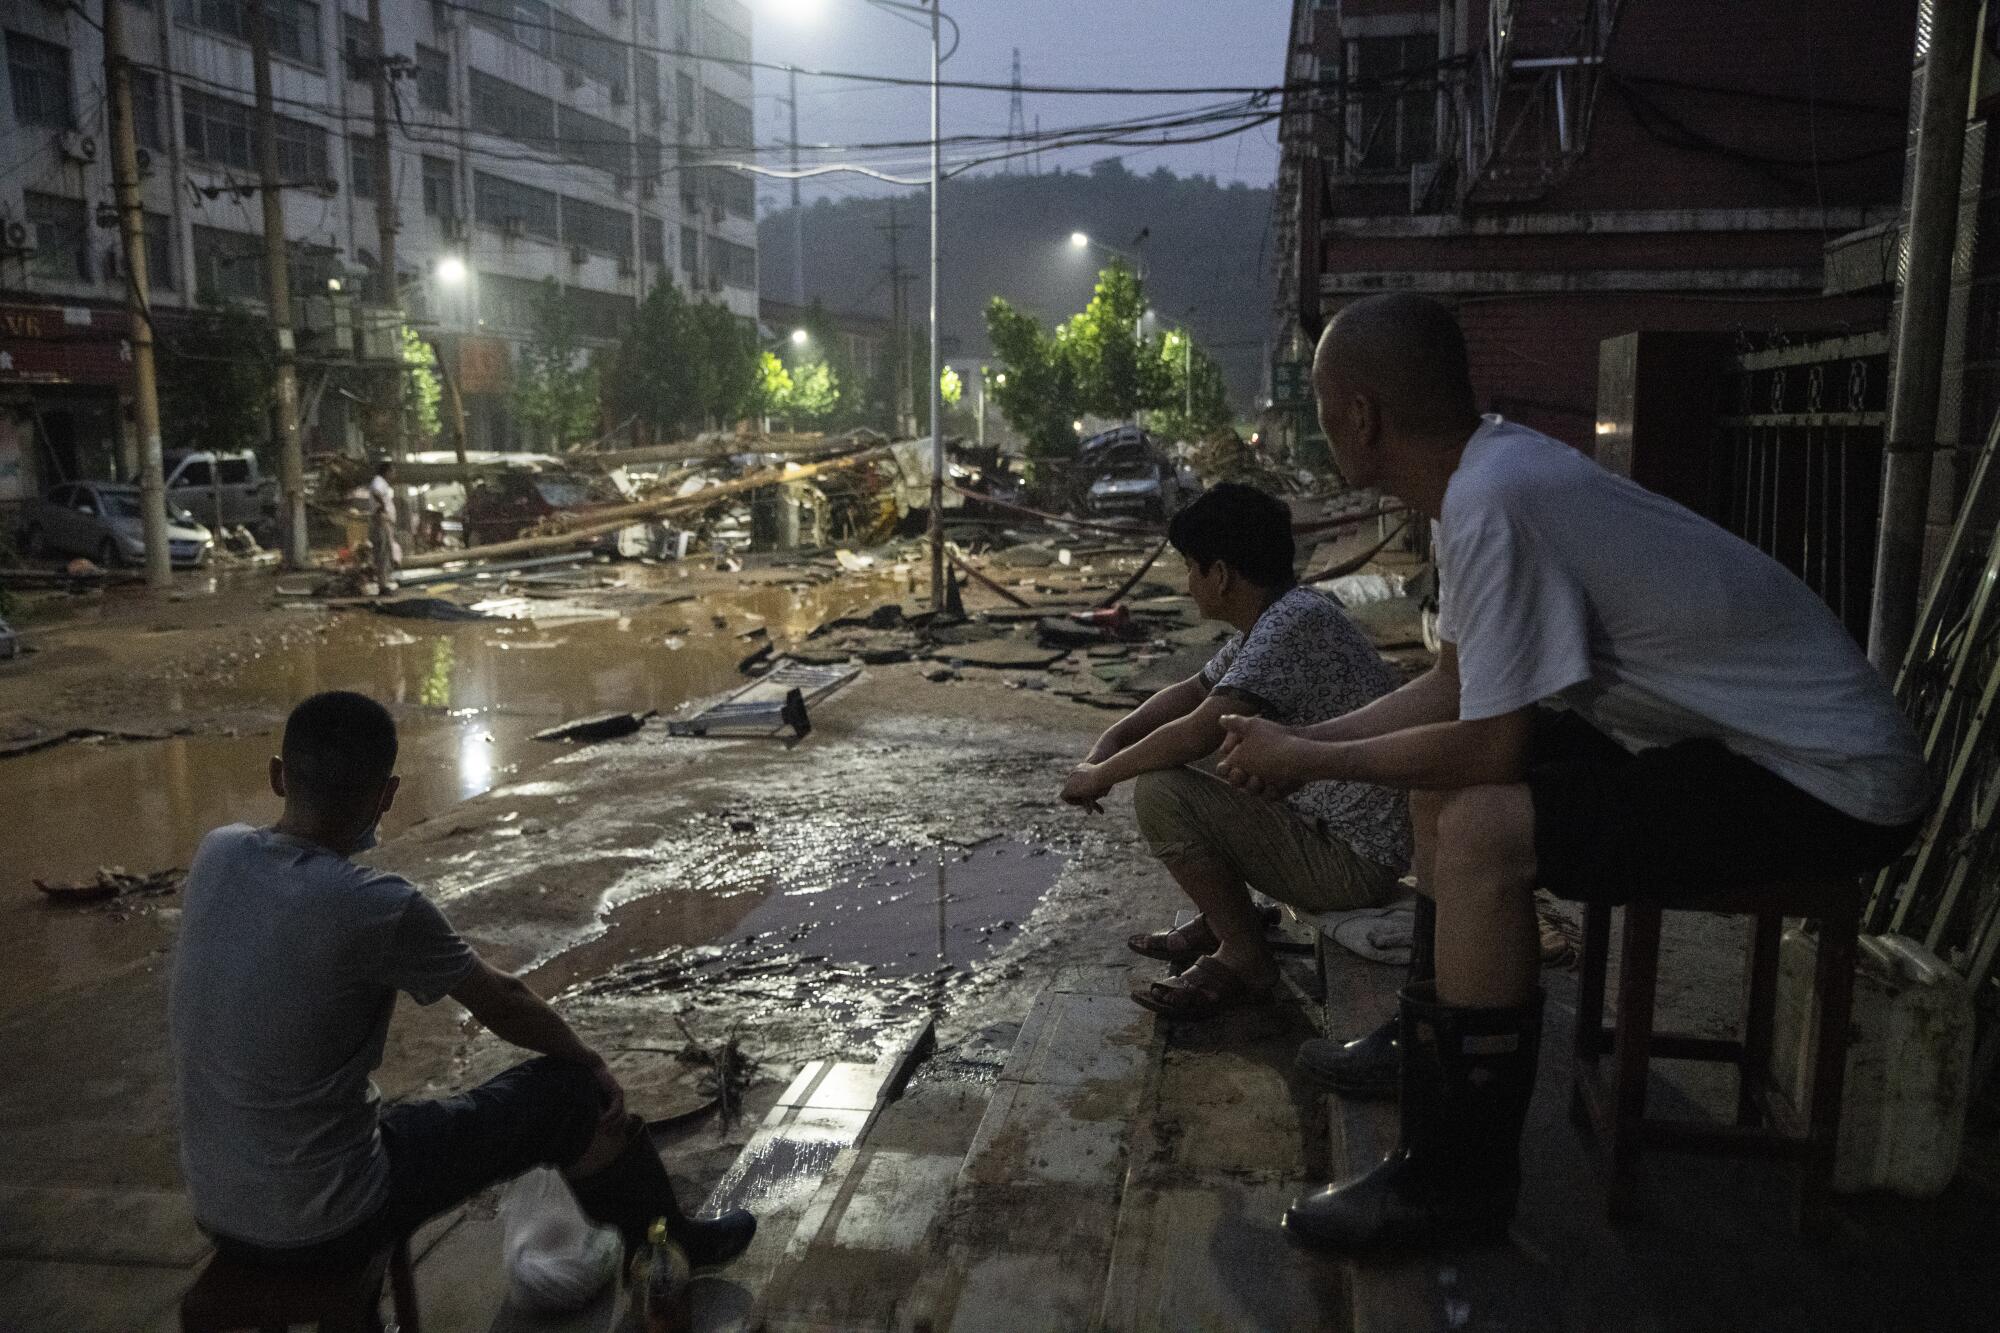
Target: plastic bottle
661,1276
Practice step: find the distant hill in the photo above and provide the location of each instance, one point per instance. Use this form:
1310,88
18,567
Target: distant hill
1209,249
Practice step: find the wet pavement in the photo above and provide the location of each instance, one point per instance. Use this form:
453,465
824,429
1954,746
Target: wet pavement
468,697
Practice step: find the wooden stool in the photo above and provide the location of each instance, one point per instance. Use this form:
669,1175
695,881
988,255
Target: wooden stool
1613,1108
230,1296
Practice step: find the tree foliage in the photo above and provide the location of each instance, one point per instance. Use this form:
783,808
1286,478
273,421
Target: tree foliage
1097,362
555,394
950,387
683,367
815,394
422,390
774,387
216,382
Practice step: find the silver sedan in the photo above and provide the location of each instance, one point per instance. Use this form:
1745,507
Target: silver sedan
101,520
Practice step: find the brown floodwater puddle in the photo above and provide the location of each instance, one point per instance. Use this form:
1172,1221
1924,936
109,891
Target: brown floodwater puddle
468,696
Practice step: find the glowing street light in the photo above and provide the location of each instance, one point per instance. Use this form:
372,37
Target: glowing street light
1079,239
800,337
451,270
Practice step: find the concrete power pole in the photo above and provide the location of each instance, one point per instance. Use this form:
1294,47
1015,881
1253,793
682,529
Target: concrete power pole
798,218
277,281
388,289
906,424
132,231
1939,93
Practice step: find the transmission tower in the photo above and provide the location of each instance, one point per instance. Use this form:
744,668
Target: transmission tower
1017,120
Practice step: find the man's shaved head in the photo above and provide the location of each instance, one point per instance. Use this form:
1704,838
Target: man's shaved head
1407,353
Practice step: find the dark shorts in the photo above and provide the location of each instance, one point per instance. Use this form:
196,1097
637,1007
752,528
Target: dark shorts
1611,825
543,1112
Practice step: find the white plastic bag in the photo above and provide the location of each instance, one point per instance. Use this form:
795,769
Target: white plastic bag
557,1259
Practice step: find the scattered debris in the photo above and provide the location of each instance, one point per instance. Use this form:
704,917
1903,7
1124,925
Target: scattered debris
425,608
769,705
10,642
603,727
1003,654
114,882
758,662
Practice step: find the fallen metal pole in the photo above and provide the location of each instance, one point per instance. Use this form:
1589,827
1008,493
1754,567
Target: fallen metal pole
982,580
603,521
1137,574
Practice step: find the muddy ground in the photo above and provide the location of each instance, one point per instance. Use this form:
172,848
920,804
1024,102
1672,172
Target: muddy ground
907,863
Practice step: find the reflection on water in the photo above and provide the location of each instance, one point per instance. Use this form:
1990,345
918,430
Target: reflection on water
468,699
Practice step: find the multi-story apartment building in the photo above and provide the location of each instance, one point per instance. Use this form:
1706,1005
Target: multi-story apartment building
1564,171
528,140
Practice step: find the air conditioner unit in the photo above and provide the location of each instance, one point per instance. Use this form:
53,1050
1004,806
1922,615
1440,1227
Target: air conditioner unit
715,213
577,254
626,268
513,228
618,92
572,79
17,238
648,187
145,163
78,146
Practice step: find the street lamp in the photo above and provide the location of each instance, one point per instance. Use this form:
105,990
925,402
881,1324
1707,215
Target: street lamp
451,270
800,337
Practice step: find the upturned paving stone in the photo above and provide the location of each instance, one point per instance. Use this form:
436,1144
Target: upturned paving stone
1001,654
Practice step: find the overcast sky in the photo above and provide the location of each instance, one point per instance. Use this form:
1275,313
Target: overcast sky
1114,43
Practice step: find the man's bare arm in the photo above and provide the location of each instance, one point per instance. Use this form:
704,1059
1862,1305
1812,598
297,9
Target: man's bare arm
1173,702
1181,741
509,1008
1430,698
1437,756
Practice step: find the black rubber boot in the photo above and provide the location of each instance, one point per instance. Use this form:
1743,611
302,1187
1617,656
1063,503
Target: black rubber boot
1468,1076
1367,1067
633,1192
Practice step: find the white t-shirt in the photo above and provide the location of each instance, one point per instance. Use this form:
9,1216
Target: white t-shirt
385,498
285,975
1560,580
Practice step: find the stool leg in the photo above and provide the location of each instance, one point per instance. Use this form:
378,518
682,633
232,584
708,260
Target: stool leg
1833,985
1759,1011
1590,989
403,1288
1638,979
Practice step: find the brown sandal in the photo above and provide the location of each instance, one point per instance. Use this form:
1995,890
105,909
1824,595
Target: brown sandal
1182,944
1209,987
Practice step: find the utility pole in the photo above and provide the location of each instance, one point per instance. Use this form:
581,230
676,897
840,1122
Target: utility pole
388,289
936,394
798,218
982,410
1940,88
278,285
1017,122
899,327
132,231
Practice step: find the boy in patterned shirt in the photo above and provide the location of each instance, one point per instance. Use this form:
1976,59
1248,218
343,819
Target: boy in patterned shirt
1295,658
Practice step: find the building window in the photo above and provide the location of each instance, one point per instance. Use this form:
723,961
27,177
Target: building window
228,265
361,164
433,79
220,132
720,40
293,24
587,50
512,206
503,108
524,21
729,123
653,240
357,46
732,265
62,237
690,251
508,303
440,188
598,143
146,127
601,230
1392,102
684,103
602,315
39,72
160,264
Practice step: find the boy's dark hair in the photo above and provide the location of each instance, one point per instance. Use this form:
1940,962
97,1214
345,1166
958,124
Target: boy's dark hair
1244,527
339,748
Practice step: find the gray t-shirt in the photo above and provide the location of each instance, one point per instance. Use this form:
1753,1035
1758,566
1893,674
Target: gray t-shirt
1560,580
1304,662
284,978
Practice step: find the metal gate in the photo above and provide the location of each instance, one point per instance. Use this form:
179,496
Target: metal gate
1798,462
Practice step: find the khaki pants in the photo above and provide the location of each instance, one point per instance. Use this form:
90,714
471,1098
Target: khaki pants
1184,813
382,537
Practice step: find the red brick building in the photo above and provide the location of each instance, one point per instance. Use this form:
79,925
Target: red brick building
1569,170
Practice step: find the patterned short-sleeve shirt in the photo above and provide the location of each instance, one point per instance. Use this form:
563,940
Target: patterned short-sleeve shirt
1304,661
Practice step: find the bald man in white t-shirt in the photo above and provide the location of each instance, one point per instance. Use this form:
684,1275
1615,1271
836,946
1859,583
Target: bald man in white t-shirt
1628,700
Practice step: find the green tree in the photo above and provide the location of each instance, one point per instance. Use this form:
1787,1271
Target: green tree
683,367
950,387
422,390
556,393
216,382
774,387
815,394
1196,400
726,364
1118,372
1036,388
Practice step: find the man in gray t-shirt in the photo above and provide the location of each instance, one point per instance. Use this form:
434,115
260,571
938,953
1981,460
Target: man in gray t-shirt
1295,658
285,976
